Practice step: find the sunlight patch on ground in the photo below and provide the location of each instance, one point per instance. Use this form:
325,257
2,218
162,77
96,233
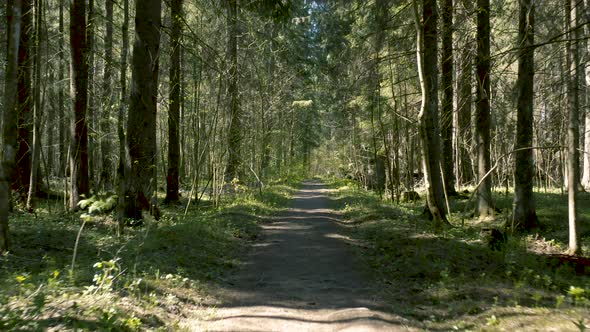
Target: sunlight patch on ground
275,318
312,211
286,227
338,236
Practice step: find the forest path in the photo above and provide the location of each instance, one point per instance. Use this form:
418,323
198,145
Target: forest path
301,276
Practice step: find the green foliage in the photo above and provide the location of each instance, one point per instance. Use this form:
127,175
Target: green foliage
492,321
113,320
449,279
97,204
105,276
85,203
128,283
579,295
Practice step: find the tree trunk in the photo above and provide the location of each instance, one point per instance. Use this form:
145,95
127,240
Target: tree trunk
524,215
79,144
377,181
267,107
174,109
107,82
60,94
482,110
21,177
447,102
141,124
37,110
429,121
124,166
235,134
181,118
572,63
586,158
91,96
10,119
585,14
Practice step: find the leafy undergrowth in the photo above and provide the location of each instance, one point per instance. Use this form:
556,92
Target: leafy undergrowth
454,281
147,279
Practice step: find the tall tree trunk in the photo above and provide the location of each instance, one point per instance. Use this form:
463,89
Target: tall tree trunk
123,167
482,110
107,83
572,63
79,144
524,215
585,14
181,118
51,122
141,124
35,152
429,121
265,124
21,177
90,104
174,109
60,93
378,178
447,102
235,114
10,119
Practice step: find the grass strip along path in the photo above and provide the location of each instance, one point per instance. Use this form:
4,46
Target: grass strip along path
149,279
455,281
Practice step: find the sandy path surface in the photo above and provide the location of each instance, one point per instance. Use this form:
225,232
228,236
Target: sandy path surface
301,276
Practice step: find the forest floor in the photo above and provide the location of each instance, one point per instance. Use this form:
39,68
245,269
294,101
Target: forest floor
149,279
454,280
328,257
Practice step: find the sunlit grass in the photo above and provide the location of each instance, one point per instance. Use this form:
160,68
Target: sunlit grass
143,279
453,281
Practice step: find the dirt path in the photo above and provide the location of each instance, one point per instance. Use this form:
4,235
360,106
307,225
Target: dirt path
301,276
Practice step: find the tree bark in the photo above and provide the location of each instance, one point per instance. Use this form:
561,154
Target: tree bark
482,110
107,83
428,117
174,109
123,167
60,94
524,215
447,102
572,63
21,177
10,120
235,135
79,142
91,96
35,151
378,179
141,124
585,14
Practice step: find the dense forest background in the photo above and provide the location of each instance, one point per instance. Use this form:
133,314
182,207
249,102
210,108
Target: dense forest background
259,90
130,105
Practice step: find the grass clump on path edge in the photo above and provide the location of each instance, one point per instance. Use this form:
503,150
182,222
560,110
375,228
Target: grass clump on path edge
148,279
453,281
